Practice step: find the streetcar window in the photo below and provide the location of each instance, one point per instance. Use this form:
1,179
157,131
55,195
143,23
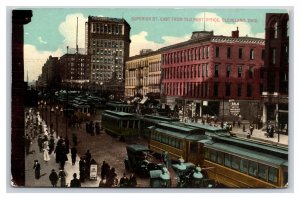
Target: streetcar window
159,137
177,144
163,139
130,124
273,175
235,162
262,172
194,147
206,154
213,156
244,166
124,124
252,168
220,158
173,142
227,160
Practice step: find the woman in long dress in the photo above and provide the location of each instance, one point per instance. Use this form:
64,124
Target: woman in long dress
46,151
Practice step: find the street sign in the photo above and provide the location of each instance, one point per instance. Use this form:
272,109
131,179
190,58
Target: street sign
93,172
234,107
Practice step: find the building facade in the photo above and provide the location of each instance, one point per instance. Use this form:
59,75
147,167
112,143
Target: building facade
107,44
74,70
275,99
49,71
209,72
143,74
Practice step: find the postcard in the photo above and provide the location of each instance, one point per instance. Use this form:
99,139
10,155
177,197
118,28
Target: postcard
150,98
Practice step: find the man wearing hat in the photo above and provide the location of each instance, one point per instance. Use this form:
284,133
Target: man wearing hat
53,177
37,169
75,182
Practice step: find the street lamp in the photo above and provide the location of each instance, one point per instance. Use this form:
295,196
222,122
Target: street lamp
57,112
45,107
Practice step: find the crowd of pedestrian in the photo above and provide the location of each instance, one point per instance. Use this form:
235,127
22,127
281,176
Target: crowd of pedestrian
60,147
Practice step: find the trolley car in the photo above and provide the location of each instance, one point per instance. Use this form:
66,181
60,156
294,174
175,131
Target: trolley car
236,162
178,140
151,120
120,124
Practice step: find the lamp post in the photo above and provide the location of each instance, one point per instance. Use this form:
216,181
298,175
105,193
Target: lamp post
45,107
57,112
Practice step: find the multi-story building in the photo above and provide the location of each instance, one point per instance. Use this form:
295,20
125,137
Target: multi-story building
218,75
142,74
49,70
277,69
74,70
107,43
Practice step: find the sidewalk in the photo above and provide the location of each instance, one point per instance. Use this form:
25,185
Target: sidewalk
46,168
259,134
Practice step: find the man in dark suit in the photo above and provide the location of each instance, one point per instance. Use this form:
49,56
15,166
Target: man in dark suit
37,169
75,182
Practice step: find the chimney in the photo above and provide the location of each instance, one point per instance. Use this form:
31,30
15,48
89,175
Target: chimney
235,34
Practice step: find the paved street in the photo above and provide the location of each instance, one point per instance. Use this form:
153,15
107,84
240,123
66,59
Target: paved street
103,147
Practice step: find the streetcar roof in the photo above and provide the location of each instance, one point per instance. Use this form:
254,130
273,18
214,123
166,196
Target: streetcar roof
254,155
206,127
122,114
179,126
137,147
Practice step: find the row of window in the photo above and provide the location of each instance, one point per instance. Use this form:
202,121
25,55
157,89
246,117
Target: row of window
202,70
105,67
116,29
107,60
171,141
107,43
251,168
240,53
107,52
186,55
203,53
201,89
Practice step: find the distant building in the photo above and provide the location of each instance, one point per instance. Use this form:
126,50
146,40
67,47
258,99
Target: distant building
143,73
208,72
107,44
74,70
49,72
276,69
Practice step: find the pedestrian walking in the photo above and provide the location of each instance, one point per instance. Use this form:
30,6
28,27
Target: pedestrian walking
82,167
75,182
104,170
53,177
74,139
73,154
46,152
51,144
62,175
132,180
251,128
27,141
40,143
37,169
124,181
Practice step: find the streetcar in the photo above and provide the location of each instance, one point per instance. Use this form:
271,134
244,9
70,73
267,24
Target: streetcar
151,120
124,125
240,163
179,140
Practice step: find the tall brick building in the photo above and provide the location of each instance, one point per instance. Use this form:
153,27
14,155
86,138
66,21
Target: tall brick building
275,98
107,44
210,71
74,70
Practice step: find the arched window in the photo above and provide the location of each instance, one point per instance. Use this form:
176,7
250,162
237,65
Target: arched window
274,30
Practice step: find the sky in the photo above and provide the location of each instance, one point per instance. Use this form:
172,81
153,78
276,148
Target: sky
53,29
